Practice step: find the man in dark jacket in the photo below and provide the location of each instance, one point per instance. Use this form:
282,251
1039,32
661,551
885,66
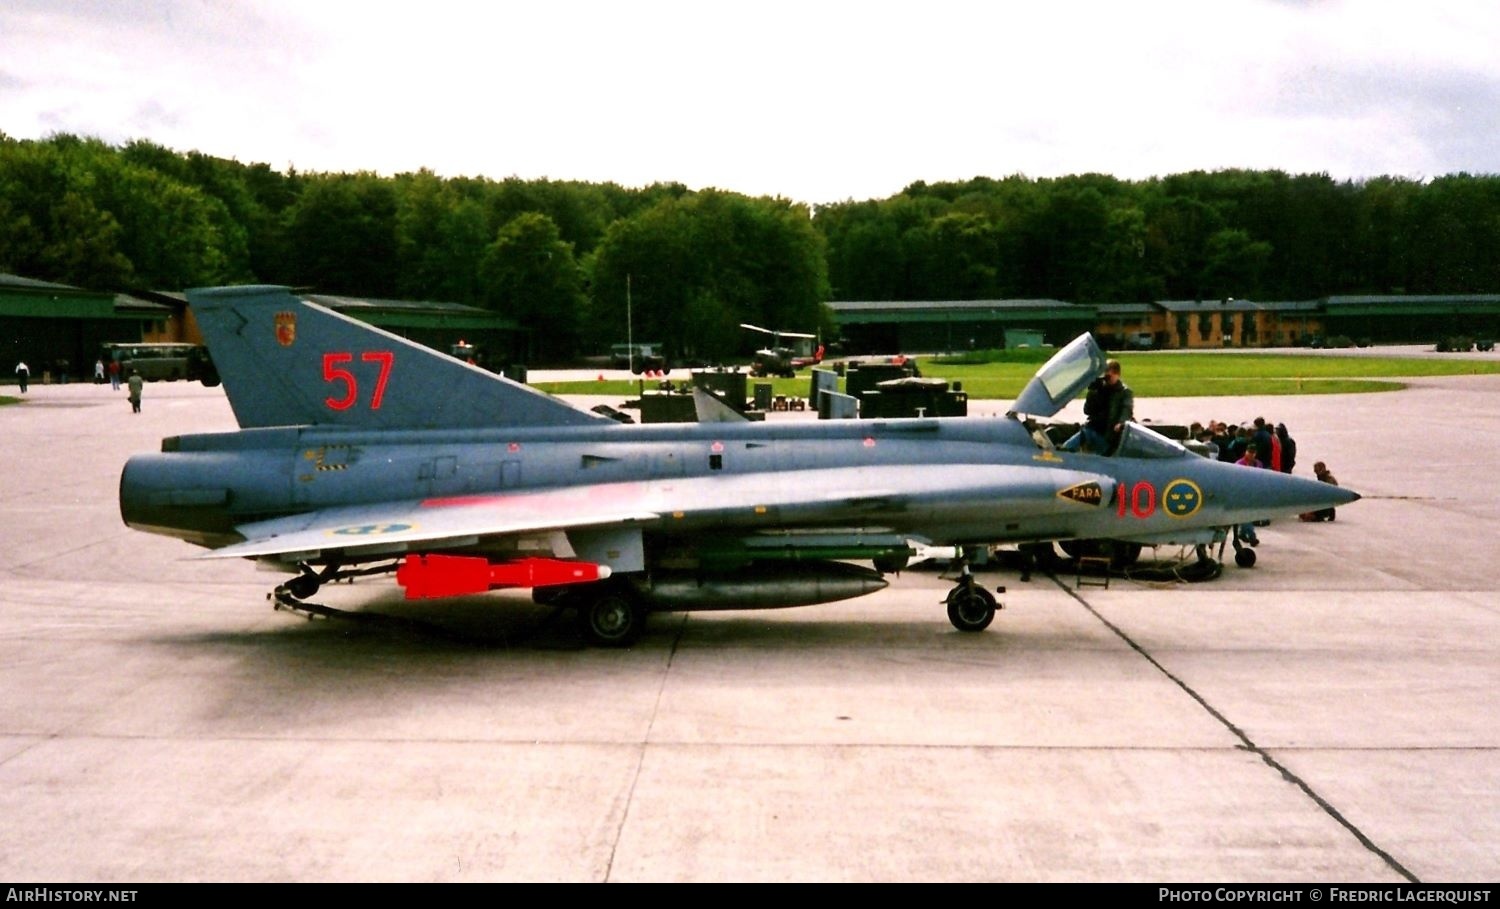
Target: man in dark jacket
1288,448
1109,405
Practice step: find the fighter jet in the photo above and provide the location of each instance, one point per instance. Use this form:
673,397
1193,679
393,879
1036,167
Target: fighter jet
360,453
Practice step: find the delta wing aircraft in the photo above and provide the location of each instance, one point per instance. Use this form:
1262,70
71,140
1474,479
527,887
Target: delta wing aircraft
361,453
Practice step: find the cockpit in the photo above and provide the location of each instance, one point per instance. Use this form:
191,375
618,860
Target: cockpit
1136,441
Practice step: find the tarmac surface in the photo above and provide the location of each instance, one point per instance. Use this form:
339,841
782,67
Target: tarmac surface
1329,715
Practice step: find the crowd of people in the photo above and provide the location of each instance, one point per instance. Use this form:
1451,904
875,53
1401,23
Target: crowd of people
1261,444
1274,446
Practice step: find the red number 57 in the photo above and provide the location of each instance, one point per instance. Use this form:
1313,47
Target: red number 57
334,371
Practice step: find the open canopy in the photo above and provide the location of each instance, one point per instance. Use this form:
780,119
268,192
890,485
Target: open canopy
1061,378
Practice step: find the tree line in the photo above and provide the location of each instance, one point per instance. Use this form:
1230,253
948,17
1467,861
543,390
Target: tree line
560,256
1263,235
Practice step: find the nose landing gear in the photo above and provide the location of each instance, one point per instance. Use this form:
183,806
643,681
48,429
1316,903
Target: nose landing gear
970,606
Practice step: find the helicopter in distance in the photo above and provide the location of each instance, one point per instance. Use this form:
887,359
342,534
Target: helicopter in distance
788,352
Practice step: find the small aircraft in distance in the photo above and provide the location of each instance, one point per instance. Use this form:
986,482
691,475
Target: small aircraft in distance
782,359
360,453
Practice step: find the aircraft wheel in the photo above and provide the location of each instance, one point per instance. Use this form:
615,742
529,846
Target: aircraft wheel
303,586
611,619
971,608
1245,558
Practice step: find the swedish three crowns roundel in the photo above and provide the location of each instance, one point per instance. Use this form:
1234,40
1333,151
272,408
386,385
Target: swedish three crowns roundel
1181,498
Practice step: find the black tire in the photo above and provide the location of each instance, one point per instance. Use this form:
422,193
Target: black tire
1245,558
611,618
303,586
971,608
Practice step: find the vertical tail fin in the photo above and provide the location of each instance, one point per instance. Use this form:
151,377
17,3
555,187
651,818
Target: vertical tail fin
286,361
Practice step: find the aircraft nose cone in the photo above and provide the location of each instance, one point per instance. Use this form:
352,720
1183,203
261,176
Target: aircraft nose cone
1335,495
1267,493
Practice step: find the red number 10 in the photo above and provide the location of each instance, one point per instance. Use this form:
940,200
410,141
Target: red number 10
334,371
1140,499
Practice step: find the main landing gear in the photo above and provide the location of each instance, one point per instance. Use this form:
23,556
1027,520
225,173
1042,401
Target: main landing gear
610,616
970,606
1244,556
609,613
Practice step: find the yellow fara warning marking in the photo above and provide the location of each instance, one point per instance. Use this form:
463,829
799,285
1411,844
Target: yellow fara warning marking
1089,493
1049,456
370,530
1181,498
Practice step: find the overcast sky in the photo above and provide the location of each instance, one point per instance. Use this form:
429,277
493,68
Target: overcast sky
816,101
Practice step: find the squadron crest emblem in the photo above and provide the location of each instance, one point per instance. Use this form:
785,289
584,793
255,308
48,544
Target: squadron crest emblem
286,328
